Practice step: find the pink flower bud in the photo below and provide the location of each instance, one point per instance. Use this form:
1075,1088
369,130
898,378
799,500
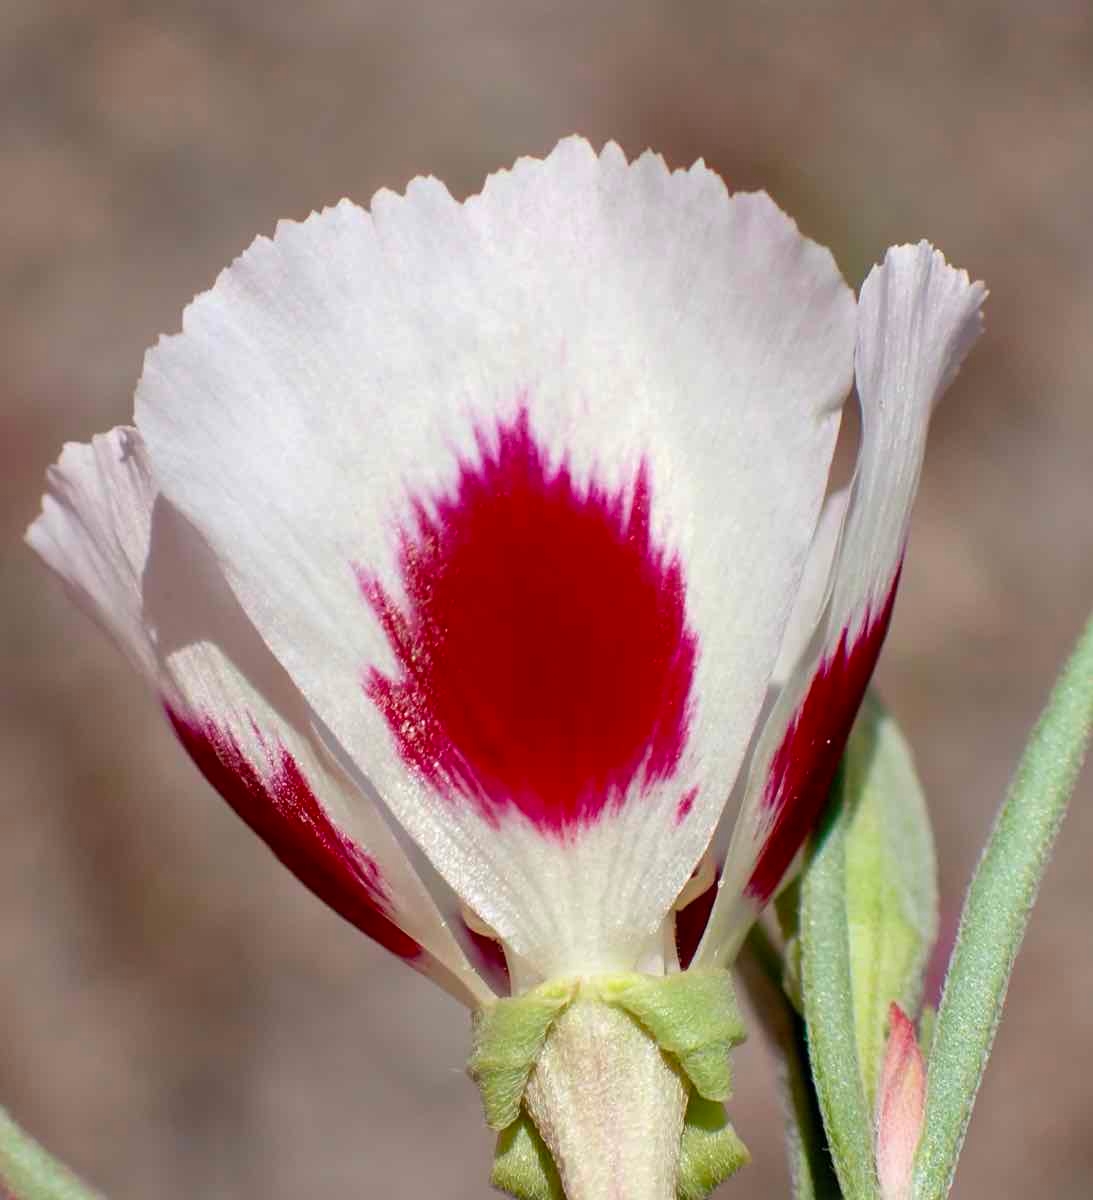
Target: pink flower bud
900,1102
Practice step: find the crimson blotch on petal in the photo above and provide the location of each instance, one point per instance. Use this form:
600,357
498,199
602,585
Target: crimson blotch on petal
545,657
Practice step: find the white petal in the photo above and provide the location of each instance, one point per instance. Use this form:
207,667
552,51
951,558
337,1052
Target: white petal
918,317
138,567
519,491
694,908
93,533
812,592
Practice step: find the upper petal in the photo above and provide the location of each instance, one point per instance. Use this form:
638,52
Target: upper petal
918,317
519,492
138,567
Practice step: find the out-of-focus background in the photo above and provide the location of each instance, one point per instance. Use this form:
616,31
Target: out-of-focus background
177,1017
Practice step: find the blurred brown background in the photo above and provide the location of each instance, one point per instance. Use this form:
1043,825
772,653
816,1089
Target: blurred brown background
179,1019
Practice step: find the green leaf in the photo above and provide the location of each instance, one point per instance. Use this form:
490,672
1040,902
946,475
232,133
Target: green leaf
762,972
868,919
891,882
994,918
27,1172
828,996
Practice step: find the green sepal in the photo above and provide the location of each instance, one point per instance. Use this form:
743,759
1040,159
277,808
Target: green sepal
791,975
522,1165
927,1023
787,912
507,1040
710,1151
691,1015
868,917
786,907
891,881
28,1172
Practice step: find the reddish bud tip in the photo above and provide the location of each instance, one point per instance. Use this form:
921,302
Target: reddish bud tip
901,1099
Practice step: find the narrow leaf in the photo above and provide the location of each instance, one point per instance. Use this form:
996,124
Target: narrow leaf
994,918
27,1172
761,971
828,996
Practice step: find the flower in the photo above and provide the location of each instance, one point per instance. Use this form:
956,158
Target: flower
476,552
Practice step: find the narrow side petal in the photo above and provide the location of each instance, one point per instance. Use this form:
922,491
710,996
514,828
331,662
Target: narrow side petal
691,918
918,317
812,595
519,491
138,568
92,533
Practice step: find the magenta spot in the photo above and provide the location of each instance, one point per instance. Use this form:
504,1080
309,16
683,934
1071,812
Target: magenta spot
803,768
683,808
287,816
545,660
691,922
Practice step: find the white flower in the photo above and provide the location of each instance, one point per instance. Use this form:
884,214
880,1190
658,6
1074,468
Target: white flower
465,544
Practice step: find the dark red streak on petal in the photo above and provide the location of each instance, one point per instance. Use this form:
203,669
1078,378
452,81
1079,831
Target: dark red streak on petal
683,808
803,769
287,816
545,658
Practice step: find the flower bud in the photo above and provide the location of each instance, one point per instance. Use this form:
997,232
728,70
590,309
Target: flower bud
901,1100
